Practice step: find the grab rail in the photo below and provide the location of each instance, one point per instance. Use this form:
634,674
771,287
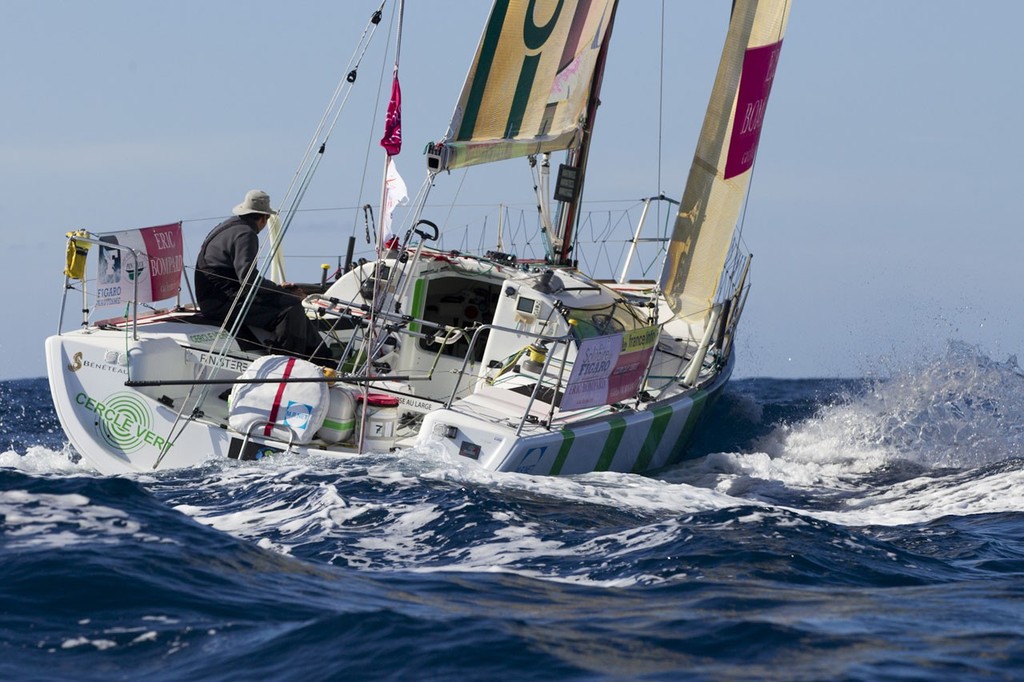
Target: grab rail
554,340
639,229
135,285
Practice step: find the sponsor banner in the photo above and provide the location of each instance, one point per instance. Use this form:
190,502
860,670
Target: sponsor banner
609,369
157,269
751,101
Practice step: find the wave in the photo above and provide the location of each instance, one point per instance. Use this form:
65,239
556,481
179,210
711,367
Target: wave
941,438
925,444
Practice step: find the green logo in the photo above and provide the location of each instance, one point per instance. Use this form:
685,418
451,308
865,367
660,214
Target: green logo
125,421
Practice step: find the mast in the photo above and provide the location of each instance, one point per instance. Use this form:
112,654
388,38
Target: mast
392,192
577,158
392,188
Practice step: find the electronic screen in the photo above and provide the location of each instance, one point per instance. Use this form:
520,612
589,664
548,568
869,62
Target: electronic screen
525,305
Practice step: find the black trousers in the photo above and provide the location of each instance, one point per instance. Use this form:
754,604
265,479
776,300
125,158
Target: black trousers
284,317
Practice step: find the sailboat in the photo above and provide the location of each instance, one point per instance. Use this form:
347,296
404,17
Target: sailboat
521,365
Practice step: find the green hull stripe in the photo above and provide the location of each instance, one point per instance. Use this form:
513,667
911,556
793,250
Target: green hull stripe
617,428
418,288
660,422
563,452
679,450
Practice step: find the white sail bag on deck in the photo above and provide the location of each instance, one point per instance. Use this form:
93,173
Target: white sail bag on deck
289,411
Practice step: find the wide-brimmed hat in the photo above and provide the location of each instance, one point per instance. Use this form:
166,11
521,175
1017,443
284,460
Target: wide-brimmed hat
256,201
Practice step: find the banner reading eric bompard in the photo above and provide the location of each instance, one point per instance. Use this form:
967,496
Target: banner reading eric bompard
150,257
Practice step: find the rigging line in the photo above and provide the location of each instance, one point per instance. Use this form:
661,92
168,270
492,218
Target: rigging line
389,162
661,90
220,347
397,277
451,206
374,119
314,164
661,99
398,38
289,211
351,68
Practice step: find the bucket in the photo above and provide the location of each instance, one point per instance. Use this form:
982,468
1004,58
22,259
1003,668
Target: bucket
380,422
340,421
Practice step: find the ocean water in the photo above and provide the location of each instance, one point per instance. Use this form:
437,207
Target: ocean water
842,529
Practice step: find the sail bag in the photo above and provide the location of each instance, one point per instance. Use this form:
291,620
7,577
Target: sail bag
275,409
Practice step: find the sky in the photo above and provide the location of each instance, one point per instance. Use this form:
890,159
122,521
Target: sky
883,215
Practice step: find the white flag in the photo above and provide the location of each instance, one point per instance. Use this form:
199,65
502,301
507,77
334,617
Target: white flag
395,194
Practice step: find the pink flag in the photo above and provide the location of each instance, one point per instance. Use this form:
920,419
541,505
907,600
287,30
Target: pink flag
392,140
163,245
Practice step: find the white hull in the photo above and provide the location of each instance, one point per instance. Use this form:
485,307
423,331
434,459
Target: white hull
631,441
122,429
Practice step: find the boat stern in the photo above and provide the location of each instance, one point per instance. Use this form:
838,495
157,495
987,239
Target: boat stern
115,428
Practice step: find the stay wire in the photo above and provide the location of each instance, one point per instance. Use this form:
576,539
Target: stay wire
312,161
373,122
323,133
661,92
216,355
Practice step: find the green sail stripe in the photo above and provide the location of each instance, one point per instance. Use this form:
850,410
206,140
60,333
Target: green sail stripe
534,38
488,46
563,452
616,429
660,422
524,88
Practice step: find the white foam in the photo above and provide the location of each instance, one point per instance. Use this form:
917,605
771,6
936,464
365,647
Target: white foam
101,644
924,499
952,421
48,521
38,460
288,502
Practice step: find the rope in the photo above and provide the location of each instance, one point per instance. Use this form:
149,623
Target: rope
661,91
373,122
299,184
312,161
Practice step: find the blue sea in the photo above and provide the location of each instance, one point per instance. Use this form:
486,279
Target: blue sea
862,529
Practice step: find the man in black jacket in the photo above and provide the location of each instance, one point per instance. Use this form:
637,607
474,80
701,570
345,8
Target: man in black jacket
227,260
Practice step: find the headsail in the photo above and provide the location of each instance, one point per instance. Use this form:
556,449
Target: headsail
528,87
721,168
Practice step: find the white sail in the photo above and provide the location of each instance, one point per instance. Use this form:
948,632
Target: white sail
277,255
720,174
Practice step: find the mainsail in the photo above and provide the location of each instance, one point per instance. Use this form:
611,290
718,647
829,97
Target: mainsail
721,168
528,87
